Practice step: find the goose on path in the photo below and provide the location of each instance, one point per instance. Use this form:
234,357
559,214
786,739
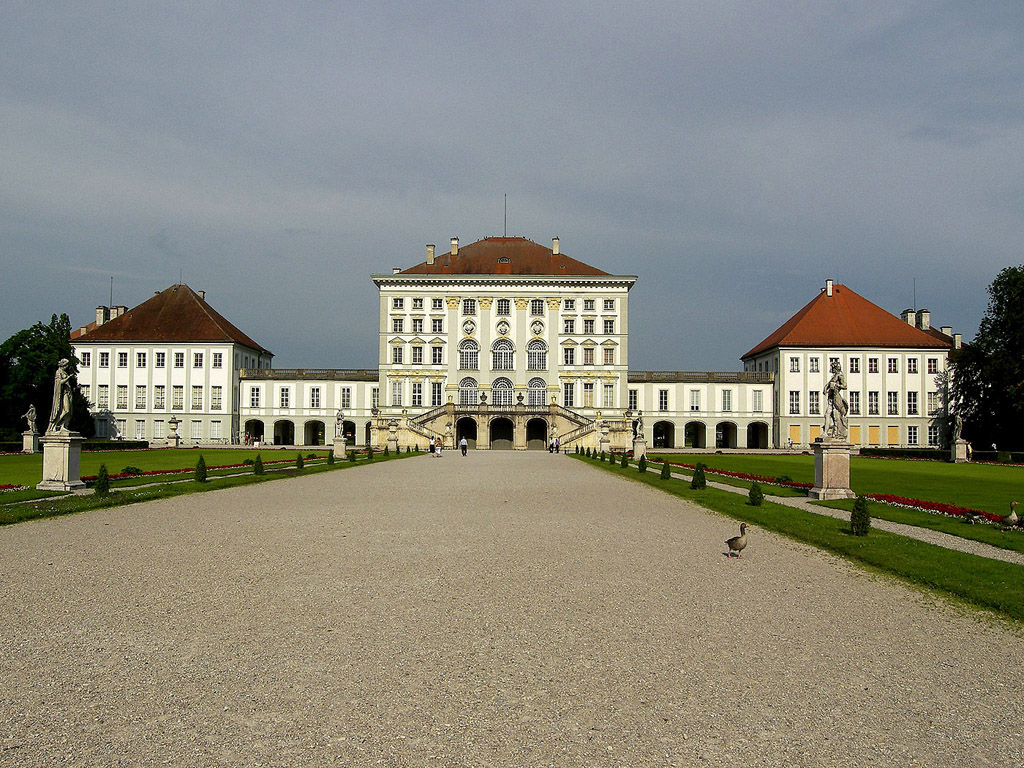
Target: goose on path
737,543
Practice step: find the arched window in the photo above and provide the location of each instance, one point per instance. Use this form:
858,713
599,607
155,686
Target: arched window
501,392
537,356
502,354
535,390
467,392
469,355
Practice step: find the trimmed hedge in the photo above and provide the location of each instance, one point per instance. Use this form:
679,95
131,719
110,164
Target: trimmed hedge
114,445
935,454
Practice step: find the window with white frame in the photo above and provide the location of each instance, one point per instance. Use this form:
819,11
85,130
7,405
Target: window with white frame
140,397
536,356
197,360
216,398
872,365
911,435
103,396
158,429
726,399
254,397
662,399
215,430
812,365
284,397
86,358
794,365
159,396
437,303
417,393
892,403
468,392
632,399
911,403
417,355
469,355
694,399
854,403
398,303
608,396
794,403
218,362
314,397
568,325
375,397
122,359
894,365
933,435
568,392
122,396
435,393
872,403
436,325
537,307
502,355
569,356
757,401
196,432
140,359
609,355
179,359
197,398
469,306
854,365
911,365
104,359
436,355
417,303
933,365
813,402
160,359
535,390
84,389
609,326
609,305
178,397
503,307
417,325
933,403
588,394
346,397
122,427
501,392
588,355
588,326
396,393
570,305
397,325
397,355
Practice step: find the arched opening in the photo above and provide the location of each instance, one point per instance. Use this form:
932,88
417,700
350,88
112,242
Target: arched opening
502,355
725,435
757,435
315,433
284,433
535,389
695,435
501,392
502,431
664,434
466,428
536,435
468,391
368,433
348,429
536,356
253,431
469,355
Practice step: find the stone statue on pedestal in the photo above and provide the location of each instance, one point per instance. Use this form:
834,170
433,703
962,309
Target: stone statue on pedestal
339,424
639,426
60,413
836,406
30,417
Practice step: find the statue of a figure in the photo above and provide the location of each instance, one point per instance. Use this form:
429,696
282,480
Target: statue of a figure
60,413
30,417
639,426
958,426
448,429
836,406
339,424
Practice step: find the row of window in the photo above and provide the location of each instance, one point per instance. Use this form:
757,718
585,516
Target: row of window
313,397
503,355
756,400
159,359
892,403
503,307
893,364
159,397
103,429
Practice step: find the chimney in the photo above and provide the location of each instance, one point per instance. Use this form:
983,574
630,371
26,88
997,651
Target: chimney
395,270
908,316
430,253
117,311
202,295
828,287
554,246
455,246
947,329
958,339
102,315
924,319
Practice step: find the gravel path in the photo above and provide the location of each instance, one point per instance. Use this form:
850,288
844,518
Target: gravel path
499,610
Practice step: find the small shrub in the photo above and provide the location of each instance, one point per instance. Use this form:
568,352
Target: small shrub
129,470
641,466
351,455
310,455
387,450
369,453
625,460
257,465
783,479
201,470
577,450
699,482
102,484
860,518
666,471
330,459
756,495
299,464
247,463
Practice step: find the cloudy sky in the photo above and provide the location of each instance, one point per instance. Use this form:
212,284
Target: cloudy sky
734,155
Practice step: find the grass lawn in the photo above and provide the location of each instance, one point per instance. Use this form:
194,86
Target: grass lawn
990,584
988,487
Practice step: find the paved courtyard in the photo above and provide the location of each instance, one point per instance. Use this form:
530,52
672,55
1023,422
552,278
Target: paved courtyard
496,610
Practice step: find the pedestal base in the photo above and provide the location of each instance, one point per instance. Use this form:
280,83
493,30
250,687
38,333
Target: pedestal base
30,442
831,470
958,452
340,450
62,462
604,445
639,449
392,445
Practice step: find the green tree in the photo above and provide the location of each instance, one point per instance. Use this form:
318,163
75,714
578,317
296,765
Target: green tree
102,485
201,470
699,482
860,517
28,361
988,373
666,471
756,495
257,466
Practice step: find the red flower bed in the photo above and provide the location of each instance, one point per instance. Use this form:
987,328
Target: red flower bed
10,488
154,472
745,476
937,507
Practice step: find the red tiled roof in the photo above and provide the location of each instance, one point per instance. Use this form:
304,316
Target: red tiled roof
503,256
847,319
177,314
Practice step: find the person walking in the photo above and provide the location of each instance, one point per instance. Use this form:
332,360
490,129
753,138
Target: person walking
431,444
463,445
437,449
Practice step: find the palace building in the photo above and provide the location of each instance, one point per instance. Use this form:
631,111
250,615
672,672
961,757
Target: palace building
508,343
